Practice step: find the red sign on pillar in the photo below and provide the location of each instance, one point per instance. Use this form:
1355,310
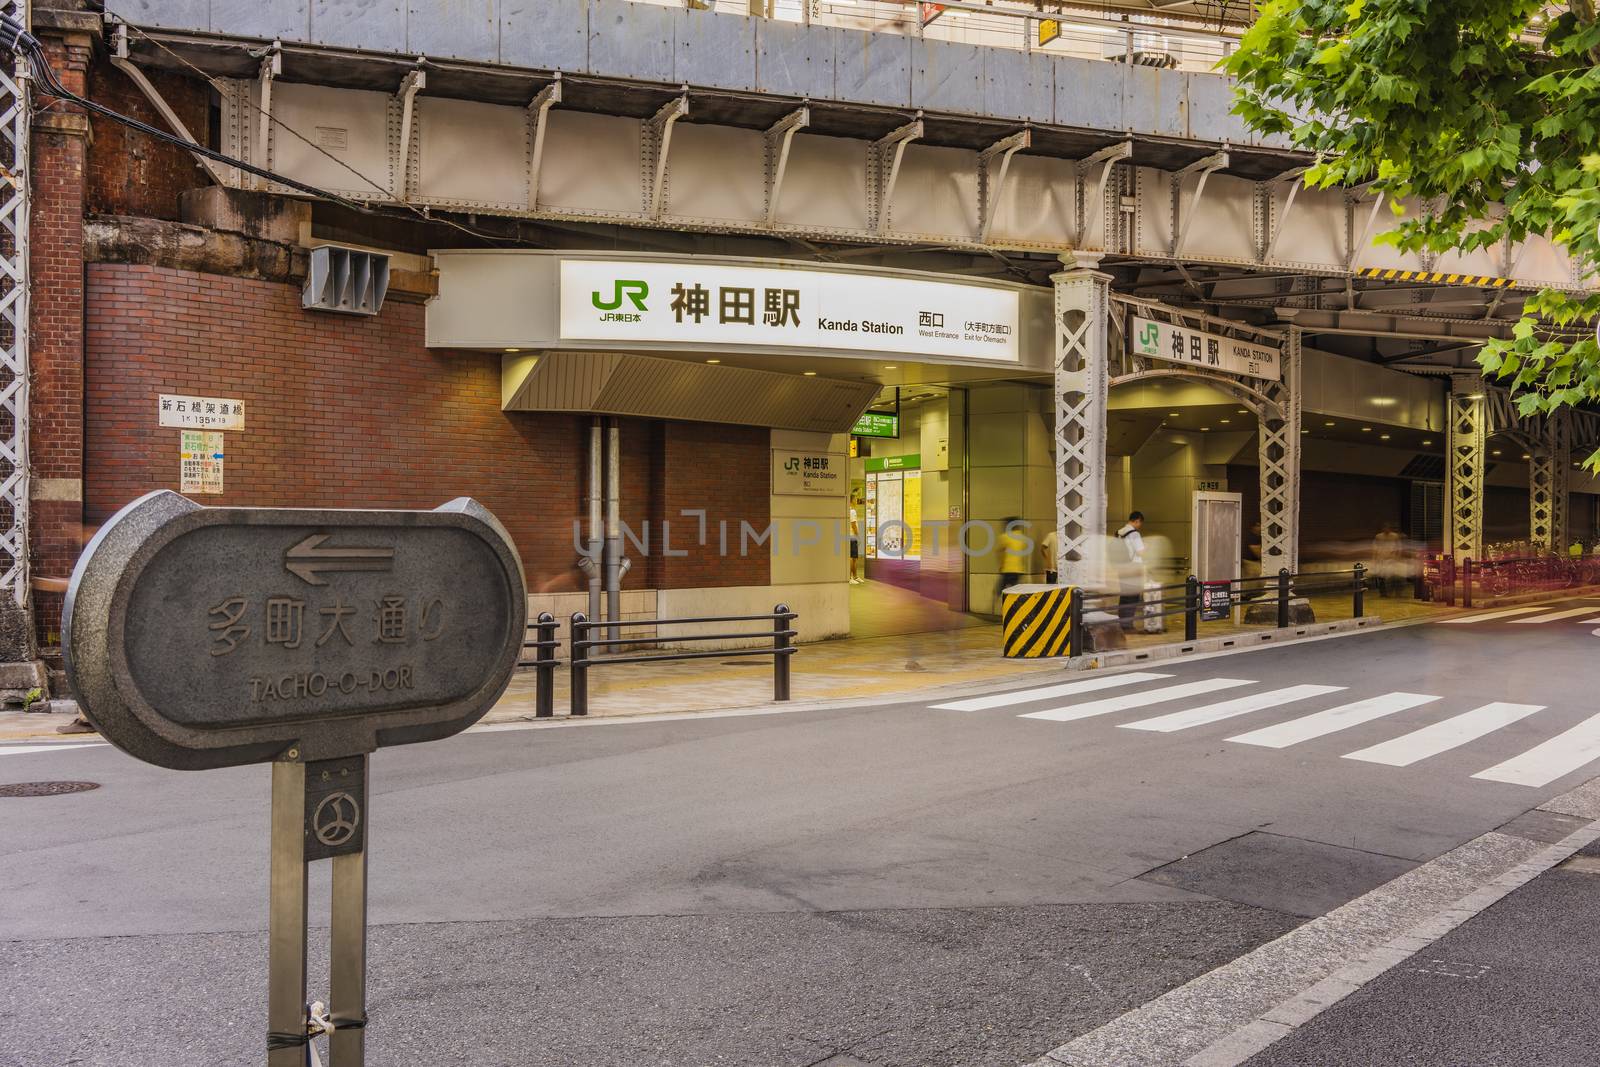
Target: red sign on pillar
929,12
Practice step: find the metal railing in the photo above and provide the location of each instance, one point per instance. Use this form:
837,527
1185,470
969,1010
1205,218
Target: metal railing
1185,599
544,663
582,662
1122,35
1509,576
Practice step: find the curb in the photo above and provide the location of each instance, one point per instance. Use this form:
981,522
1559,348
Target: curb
1228,1015
1229,642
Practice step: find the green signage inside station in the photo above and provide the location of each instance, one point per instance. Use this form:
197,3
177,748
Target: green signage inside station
895,463
877,424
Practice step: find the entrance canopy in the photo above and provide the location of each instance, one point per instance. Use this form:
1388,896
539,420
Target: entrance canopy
761,342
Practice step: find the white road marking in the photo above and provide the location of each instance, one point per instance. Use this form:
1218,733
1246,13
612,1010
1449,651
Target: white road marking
1554,616
24,749
1317,724
1486,616
1542,764
1049,692
1137,700
1407,749
1182,720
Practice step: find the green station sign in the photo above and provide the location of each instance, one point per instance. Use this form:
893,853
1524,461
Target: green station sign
877,424
895,463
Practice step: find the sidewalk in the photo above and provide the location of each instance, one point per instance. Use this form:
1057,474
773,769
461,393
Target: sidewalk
1515,984
858,668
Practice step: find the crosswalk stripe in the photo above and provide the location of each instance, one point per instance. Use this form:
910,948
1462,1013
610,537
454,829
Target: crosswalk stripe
1182,720
1136,700
1542,764
1440,737
1317,724
1049,692
1488,615
1554,616
23,749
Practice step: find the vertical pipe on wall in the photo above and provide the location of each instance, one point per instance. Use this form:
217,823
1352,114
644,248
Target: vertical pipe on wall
614,566
596,540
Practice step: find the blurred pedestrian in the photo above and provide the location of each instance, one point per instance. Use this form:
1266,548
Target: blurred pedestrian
1387,564
1130,569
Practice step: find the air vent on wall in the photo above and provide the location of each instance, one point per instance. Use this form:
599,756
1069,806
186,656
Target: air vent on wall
1423,467
347,280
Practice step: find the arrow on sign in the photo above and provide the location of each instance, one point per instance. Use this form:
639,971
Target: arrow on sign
308,560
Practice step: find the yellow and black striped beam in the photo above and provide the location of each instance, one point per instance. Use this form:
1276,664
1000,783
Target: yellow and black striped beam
1477,281
1035,625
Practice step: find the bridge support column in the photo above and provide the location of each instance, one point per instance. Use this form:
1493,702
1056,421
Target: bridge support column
1549,466
1468,413
1279,442
1083,379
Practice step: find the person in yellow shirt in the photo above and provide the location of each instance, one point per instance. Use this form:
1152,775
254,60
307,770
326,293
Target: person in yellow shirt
1016,547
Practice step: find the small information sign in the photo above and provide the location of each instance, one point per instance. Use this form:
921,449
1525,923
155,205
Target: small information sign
200,461
1216,601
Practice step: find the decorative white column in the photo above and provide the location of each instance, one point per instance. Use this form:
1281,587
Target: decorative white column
1083,378
1279,444
1467,412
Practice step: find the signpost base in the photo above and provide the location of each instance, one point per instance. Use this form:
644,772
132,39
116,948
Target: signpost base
318,811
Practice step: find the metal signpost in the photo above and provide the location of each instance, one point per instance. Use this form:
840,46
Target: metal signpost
211,637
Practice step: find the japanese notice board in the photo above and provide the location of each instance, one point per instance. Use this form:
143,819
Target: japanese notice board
200,461
1197,348
1216,600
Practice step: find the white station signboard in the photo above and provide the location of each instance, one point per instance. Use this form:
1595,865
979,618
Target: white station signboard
712,304
1180,344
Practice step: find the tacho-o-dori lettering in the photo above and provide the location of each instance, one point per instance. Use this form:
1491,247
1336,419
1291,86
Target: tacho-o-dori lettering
314,684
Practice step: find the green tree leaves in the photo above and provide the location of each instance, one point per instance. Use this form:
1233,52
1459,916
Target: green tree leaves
1488,111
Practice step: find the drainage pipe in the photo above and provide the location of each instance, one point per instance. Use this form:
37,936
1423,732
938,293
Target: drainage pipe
591,561
616,566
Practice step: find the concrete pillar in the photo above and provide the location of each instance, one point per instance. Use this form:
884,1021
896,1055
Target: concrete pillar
1082,381
1279,442
1467,413
1549,466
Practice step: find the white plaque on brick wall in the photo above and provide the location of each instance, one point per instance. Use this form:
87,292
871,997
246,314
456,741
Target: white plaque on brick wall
200,412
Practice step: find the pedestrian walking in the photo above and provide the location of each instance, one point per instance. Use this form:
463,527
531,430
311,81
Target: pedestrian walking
1015,549
1130,569
1047,550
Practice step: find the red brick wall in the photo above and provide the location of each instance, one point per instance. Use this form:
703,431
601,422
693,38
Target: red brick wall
56,340
726,471
131,173
350,411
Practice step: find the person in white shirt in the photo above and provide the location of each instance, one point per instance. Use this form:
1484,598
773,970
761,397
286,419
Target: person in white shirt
1130,571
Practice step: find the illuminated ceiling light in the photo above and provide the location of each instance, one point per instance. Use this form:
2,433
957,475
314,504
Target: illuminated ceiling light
1206,429
811,374
1366,429
1497,451
513,350
1425,444
1526,456
1383,437
1241,411
1223,421
713,361
891,366
1173,415
1327,424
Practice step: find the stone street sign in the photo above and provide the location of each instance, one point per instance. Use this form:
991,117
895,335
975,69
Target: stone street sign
206,637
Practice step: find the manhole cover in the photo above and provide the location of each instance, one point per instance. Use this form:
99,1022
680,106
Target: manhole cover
45,789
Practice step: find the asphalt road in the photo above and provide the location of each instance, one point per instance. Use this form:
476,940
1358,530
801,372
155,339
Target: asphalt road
907,884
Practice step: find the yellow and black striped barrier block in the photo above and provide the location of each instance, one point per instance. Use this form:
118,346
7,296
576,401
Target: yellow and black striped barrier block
1479,281
1036,621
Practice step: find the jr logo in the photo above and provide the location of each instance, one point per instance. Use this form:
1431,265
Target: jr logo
1150,338
635,291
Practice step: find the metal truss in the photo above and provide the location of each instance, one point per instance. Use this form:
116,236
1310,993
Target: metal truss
1549,471
14,287
1082,382
1468,417
655,148
1277,406
1279,442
